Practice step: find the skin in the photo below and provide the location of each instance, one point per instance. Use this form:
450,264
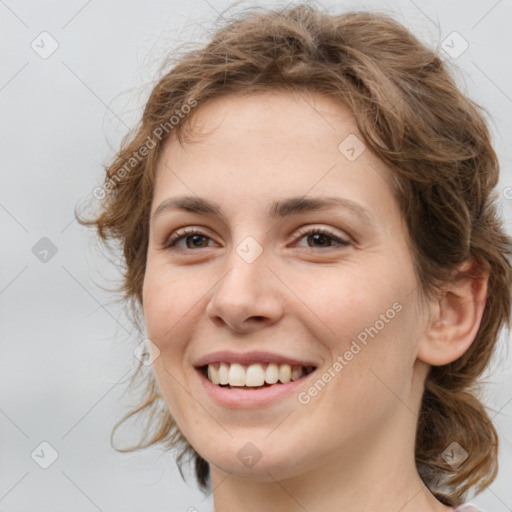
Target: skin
352,446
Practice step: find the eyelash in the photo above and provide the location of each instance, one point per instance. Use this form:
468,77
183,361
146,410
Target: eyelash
178,235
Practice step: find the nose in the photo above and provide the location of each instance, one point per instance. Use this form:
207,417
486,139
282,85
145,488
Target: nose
249,297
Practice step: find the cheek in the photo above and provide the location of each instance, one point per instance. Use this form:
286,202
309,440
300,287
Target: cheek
153,301
372,375
164,310
372,326
163,304
352,304
172,308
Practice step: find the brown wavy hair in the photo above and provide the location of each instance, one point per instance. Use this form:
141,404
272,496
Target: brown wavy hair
411,114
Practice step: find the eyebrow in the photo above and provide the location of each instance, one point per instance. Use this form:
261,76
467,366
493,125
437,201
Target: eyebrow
278,209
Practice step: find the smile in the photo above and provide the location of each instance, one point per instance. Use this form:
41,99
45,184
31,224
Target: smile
248,390
254,376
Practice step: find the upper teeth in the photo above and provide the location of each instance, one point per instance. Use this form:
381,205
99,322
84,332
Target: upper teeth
254,374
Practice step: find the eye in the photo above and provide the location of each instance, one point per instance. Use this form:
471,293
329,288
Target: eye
195,238
322,236
192,234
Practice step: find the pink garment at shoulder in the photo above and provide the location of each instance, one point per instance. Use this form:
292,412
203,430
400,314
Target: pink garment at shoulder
468,507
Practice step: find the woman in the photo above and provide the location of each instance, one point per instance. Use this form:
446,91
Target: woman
309,230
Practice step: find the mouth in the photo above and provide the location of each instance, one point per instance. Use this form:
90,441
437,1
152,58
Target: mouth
253,376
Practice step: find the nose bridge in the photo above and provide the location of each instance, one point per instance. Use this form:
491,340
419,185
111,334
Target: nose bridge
247,275
248,289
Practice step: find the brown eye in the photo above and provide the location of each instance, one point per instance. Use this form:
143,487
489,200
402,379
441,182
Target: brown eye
321,238
193,238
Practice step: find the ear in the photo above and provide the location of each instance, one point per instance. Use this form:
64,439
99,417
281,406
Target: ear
455,318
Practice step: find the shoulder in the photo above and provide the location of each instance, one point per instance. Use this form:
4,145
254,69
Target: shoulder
467,507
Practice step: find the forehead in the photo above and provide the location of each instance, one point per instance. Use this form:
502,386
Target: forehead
276,127
275,113
273,144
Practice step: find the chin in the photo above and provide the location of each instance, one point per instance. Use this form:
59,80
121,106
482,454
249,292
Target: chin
249,462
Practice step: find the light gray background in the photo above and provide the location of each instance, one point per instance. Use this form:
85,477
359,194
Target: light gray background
66,347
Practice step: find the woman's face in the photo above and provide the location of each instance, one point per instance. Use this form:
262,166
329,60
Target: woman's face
261,284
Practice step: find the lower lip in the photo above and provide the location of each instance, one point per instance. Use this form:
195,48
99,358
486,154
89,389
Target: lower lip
244,398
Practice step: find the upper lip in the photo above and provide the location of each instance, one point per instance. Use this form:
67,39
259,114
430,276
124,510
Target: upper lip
251,357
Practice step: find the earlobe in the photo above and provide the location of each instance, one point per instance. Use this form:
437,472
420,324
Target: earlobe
456,317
